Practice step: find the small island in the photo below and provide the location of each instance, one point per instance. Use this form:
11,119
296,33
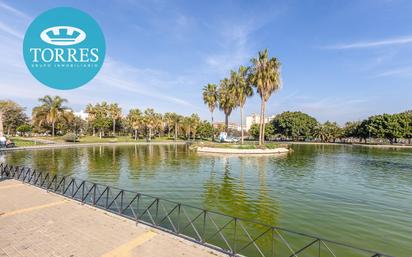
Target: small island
232,148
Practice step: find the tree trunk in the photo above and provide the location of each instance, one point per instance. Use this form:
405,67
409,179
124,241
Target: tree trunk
260,122
1,123
135,134
100,134
52,129
226,123
241,125
188,136
213,134
263,123
114,127
150,134
175,131
94,131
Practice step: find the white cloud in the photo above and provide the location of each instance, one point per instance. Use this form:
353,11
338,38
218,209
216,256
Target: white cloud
376,43
13,10
399,72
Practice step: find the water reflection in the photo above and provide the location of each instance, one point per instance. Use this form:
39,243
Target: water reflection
339,192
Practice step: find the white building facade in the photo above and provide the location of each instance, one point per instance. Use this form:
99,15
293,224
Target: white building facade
255,119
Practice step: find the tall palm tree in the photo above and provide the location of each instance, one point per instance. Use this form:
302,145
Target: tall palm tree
49,111
115,113
241,90
265,76
135,120
226,100
210,97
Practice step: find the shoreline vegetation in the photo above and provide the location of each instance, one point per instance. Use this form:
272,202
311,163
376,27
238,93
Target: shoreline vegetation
29,144
52,121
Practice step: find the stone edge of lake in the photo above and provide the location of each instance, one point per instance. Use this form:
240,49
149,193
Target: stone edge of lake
278,150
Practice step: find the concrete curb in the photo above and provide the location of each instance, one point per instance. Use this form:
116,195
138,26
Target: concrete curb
242,151
74,145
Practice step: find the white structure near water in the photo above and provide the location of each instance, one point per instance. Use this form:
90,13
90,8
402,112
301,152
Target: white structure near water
255,119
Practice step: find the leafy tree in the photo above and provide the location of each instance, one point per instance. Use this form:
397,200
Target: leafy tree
241,90
265,76
24,128
50,110
211,97
295,125
226,100
12,115
205,129
328,132
255,132
102,119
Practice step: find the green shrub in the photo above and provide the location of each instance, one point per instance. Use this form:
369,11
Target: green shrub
70,137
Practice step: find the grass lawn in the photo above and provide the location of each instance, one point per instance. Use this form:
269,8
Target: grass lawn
246,145
21,142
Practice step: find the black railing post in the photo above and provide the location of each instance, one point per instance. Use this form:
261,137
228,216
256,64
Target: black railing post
204,226
178,218
273,241
235,237
94,194
157,211
107,197
121,202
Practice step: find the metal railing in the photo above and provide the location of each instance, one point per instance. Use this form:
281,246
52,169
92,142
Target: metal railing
228,234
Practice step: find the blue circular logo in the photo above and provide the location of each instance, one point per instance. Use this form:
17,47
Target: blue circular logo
64,48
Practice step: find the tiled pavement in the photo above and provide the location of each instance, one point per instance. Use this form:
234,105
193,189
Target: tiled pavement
34,222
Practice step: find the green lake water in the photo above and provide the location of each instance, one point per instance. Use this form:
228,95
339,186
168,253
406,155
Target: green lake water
357,195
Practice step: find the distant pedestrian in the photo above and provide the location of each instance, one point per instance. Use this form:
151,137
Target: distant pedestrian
3,141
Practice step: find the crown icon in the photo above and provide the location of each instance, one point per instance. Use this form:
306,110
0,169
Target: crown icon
63,35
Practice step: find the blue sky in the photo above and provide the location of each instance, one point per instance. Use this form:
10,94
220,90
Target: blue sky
341,60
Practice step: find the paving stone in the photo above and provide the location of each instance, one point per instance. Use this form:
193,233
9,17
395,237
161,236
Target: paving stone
29,226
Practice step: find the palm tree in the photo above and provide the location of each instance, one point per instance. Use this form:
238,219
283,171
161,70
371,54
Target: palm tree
210,97
265,76
151,120
168,119
91,116
186,126
49,111
194,124
115,113
226,100
241,90
321,132
135,120
176,120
